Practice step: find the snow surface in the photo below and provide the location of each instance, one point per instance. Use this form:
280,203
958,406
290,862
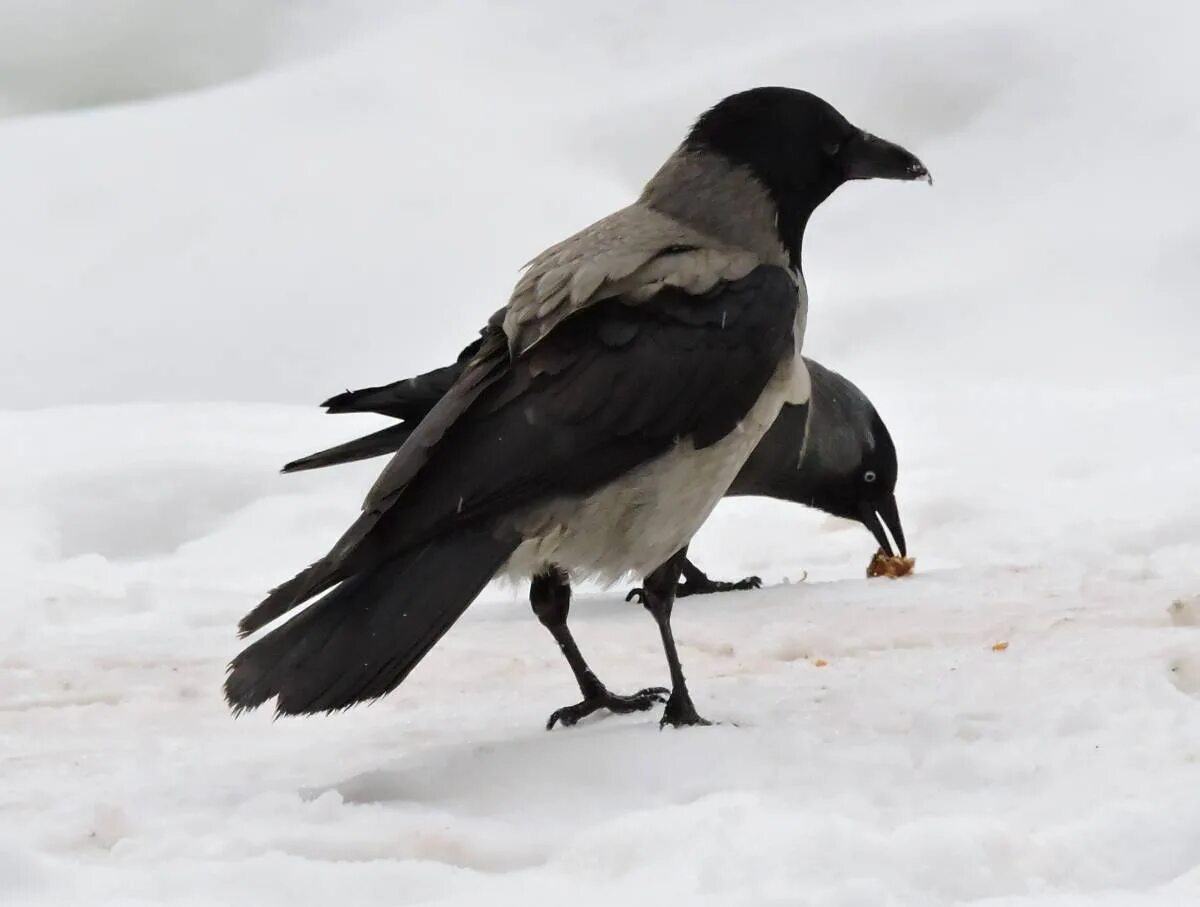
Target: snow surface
216,214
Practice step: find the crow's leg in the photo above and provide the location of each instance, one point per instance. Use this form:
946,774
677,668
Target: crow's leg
658,596
550,596
698,583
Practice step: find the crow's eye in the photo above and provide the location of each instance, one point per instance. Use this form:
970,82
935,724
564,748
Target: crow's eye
832,148
869,475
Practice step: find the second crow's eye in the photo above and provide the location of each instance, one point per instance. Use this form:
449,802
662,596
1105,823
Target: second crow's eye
869,475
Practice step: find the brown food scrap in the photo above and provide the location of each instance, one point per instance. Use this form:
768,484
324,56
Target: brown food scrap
999,647
890,565
820,663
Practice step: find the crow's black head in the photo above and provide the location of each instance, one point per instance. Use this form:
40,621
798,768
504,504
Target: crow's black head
867,494
800,148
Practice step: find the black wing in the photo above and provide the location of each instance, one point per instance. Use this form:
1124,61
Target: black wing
611,387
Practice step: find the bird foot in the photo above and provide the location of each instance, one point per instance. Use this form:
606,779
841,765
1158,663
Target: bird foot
681,713
603,699
705,586
700,587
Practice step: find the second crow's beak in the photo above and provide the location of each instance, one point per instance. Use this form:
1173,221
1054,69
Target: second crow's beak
877,514
866,156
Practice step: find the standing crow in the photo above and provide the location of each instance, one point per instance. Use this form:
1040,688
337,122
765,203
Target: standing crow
636,367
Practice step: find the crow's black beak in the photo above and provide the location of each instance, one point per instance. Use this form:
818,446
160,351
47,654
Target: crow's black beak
877,514
866,157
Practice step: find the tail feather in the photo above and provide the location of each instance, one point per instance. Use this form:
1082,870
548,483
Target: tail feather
312,580
364,546
362,639
385,441
409,399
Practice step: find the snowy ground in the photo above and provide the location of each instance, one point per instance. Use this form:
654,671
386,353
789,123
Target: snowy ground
281,210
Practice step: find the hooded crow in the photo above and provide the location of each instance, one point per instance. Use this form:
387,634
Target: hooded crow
833,453
635,368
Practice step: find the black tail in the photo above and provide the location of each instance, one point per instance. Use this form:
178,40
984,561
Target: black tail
385,441
409,399
363,638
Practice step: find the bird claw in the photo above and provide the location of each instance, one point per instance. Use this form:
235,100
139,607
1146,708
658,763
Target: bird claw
706,586
620,705
680,712
636,595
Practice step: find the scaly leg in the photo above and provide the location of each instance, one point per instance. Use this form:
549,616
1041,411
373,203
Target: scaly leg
550,597
658,598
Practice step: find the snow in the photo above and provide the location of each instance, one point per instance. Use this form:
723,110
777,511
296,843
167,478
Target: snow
217,214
